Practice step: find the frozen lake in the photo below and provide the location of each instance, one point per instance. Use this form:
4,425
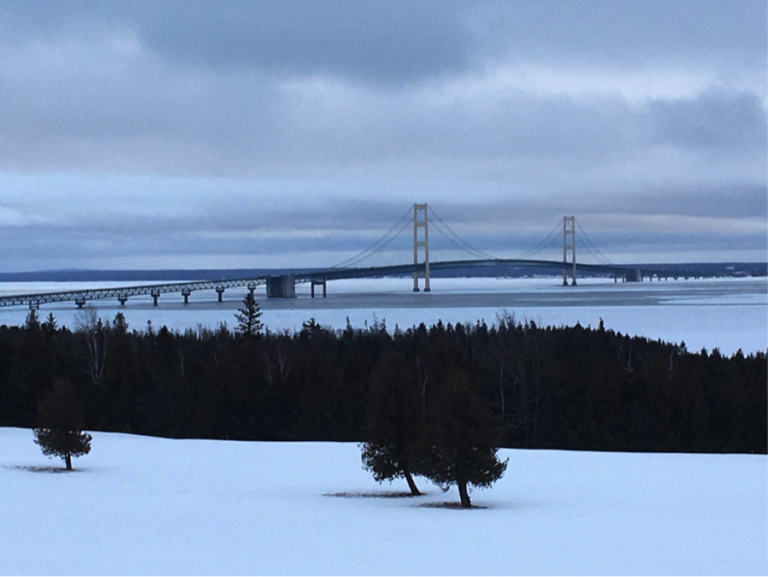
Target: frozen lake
729,314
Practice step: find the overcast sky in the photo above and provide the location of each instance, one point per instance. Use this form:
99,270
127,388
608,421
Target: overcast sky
229,134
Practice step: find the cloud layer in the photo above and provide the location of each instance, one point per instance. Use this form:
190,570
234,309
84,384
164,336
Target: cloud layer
296,133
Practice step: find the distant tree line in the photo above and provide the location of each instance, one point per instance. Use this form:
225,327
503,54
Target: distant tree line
537,387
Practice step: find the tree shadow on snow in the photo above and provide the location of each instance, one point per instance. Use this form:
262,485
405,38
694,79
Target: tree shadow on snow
449,505
374,495
39,469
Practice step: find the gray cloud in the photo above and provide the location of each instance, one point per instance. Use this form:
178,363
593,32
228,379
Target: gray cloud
396,41
246,128
401,40
720,120
628,33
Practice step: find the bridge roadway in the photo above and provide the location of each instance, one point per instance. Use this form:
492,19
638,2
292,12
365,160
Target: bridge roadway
80,297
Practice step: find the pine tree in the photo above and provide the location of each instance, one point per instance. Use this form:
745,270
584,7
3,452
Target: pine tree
458,446
61,421
249,317
392,422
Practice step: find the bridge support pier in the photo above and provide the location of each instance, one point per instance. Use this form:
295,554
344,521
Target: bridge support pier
251,287
155,294
635,276
220,291
34,305
421,242
122,299
281,287
80,302
323,283
185,292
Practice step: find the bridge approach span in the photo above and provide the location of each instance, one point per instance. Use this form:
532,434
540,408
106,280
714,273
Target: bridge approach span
80,297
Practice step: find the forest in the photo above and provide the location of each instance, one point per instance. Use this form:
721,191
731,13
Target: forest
568,387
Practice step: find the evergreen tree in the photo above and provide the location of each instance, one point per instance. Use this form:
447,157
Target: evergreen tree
249,317
61,420
566,388
392,422
50,326
32,372
459,445
33,320
118,394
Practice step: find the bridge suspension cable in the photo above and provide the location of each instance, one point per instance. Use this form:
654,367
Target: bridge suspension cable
546,243
379,244
446,231
458,240
455,243
596,253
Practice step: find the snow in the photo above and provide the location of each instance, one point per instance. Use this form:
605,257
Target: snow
139,505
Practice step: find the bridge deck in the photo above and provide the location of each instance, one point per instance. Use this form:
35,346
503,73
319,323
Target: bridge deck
123,293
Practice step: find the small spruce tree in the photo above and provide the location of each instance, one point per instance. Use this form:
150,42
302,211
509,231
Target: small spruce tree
249,317
50,326
61,422
392,421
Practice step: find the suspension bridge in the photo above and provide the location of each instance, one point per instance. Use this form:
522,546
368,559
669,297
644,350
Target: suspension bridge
421,217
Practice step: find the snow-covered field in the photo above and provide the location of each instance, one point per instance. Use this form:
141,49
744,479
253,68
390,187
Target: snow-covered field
140,505
729,314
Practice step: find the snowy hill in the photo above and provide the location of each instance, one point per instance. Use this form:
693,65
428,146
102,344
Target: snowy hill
140,505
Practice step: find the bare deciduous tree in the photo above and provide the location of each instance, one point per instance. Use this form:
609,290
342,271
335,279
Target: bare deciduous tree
94,333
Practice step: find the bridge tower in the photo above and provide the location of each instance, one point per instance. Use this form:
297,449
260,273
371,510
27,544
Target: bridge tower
421,222
569,244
